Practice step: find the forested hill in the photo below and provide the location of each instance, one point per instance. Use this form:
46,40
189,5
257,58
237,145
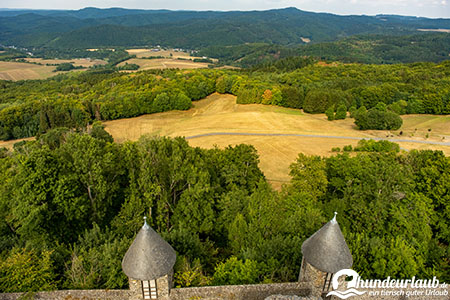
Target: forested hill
92,27
368,49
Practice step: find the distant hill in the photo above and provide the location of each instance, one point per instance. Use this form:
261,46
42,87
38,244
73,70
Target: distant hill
375,49
93,27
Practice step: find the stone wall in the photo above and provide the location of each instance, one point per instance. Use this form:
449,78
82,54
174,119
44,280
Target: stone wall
71,295
277,291
163,287
310,274
229,292
241,292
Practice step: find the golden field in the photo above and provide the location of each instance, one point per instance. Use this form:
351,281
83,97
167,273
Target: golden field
164,53
220,113
11,70
77,62
249,124
164,63
21,71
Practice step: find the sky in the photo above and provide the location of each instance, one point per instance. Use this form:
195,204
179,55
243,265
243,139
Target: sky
423,8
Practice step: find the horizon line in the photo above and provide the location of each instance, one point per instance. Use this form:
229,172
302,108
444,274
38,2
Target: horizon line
216,10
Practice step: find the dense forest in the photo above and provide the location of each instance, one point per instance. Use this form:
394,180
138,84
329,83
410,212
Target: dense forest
367,49
71,203
93,28
374,94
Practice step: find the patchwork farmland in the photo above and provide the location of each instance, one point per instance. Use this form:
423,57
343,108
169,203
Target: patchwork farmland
22,71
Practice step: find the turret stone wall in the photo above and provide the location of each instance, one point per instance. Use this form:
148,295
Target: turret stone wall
163,284
277,291
228,292
241,292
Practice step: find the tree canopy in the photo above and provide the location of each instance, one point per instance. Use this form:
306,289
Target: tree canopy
71,204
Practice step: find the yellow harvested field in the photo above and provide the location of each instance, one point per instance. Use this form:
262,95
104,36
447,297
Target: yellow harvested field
14,71
22,71
420,128
272,130
420,124
165,53
10,144
77,62
220,114
164,63
252,123
435,30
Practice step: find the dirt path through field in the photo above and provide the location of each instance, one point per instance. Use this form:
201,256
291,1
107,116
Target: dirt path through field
314,136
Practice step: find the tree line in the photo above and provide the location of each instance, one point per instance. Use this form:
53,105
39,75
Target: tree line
71,204
374,95
32,107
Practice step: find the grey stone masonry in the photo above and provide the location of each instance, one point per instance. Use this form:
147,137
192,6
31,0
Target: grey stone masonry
310,274
71,295
277,291
228,292
241,292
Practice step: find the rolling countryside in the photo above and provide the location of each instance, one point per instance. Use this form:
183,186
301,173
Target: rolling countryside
233,152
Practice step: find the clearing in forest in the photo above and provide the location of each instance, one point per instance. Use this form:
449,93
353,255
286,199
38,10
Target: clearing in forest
248,123
10,70
77,62
277,133
140,53
37,67
164,63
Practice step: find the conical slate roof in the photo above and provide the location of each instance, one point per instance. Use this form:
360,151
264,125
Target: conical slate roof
149,256
326,249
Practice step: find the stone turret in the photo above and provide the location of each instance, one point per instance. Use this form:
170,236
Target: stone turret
148,263
325,253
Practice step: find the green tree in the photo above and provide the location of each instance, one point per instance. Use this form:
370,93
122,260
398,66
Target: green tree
352,111
161,103
235,271
65,67
93,172
182,102
221,85
309,175
98,131
330,113
24,271
292,96
392,121
341,112
95,260
317,101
